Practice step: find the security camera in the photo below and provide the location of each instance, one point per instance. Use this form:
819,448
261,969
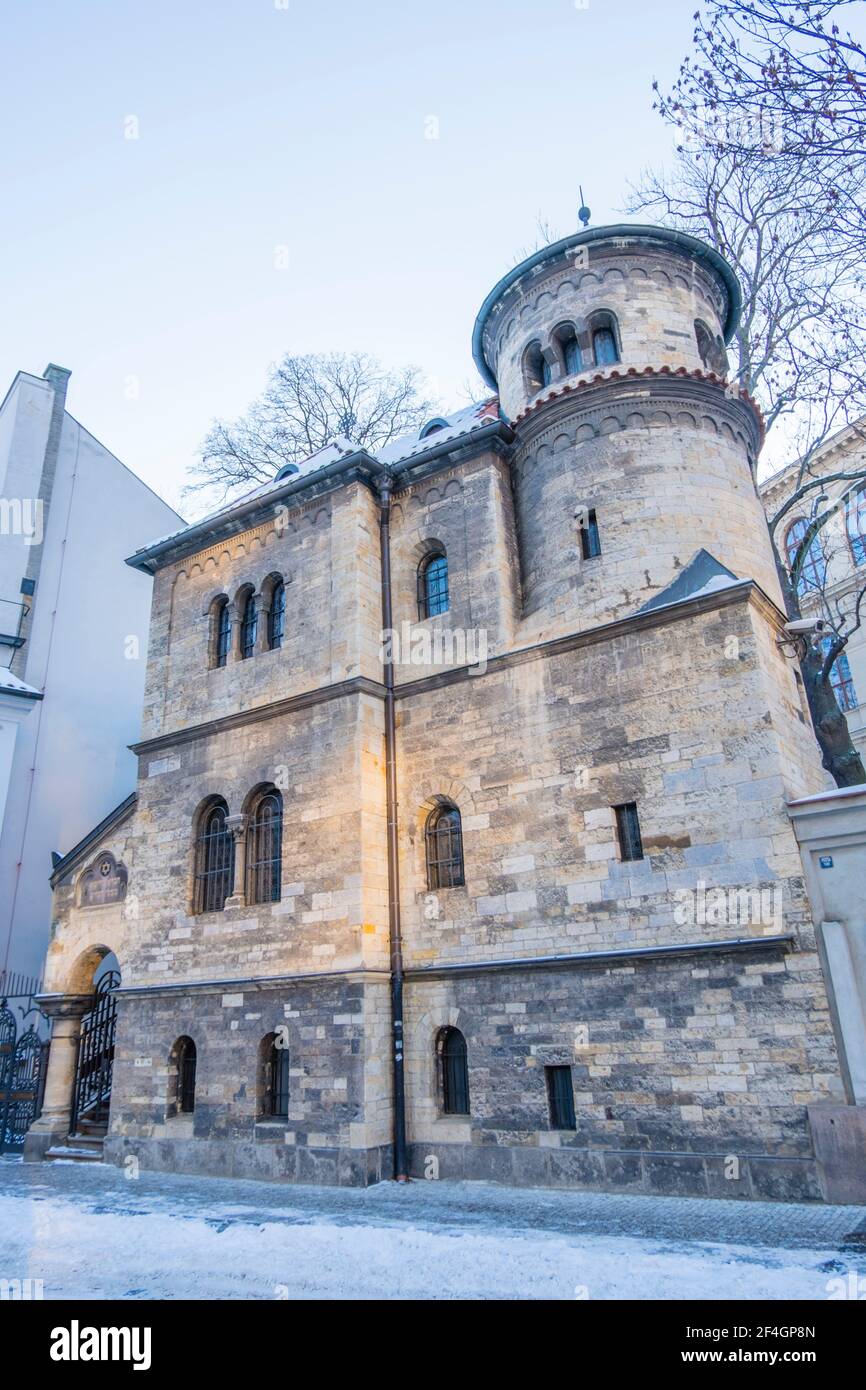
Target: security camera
801,626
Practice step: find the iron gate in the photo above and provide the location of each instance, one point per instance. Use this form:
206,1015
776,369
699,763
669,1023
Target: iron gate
96,1055
23,1063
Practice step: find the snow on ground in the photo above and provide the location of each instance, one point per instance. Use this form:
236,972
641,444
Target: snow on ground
172,1237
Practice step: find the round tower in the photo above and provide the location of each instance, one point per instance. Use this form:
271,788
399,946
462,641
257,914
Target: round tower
632,451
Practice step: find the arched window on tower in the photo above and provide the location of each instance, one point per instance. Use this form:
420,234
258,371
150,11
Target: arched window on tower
443,839
249,626
433,585
813,566
604,338
536,371
264,849
214,858
568,348
711,350
453,1072
277,616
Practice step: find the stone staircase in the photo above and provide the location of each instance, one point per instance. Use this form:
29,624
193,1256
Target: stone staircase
85,1146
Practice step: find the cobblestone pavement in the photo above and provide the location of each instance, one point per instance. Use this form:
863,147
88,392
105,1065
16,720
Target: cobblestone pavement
443,1206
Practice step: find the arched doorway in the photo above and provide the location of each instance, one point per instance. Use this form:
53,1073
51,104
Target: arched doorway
91,1097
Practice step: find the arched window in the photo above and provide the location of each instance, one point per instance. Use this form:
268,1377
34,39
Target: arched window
566,342
813,569
215,859
711,350
453,1072
433,585
604,338
535,369
274,1076
856,520
222,632
185,1059
249,626
265,848
840,678
443,839
277,616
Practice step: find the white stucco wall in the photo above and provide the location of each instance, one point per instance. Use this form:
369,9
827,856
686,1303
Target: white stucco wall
71,764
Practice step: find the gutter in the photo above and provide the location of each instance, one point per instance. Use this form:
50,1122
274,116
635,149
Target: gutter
394,925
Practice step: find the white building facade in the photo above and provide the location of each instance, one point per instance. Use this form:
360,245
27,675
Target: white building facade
834,573
73,644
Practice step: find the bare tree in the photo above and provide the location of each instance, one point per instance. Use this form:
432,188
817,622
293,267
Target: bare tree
306,403
800,345
810,588
776,74
777,191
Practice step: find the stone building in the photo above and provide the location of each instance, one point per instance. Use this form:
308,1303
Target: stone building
462,791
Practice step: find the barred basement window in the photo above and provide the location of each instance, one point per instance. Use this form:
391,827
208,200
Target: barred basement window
185,1056
454,1074
628,831
215,860
223,634
249,627
275,1078
433,586
560,1097
277,616
265,849
443,838
590,541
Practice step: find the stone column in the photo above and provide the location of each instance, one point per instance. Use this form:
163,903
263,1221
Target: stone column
237,825
235,615
52,1127
263,609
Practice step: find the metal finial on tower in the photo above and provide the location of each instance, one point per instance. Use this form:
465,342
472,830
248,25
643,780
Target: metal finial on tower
583,211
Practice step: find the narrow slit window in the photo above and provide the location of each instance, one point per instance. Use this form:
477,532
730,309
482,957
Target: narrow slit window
223,634
455,1074
590,541
628,831
560,1097
277,616
186,1064
249,627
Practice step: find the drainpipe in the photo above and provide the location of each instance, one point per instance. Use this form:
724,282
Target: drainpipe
394,930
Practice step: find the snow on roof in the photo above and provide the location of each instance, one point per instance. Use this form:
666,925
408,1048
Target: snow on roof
704,574
462,422
471,417
10,682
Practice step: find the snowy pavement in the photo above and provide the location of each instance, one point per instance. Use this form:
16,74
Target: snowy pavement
88,1232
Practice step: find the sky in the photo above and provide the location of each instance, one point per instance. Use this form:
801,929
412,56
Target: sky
193,189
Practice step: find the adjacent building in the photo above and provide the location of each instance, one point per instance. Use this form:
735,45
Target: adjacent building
834,573
73,645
